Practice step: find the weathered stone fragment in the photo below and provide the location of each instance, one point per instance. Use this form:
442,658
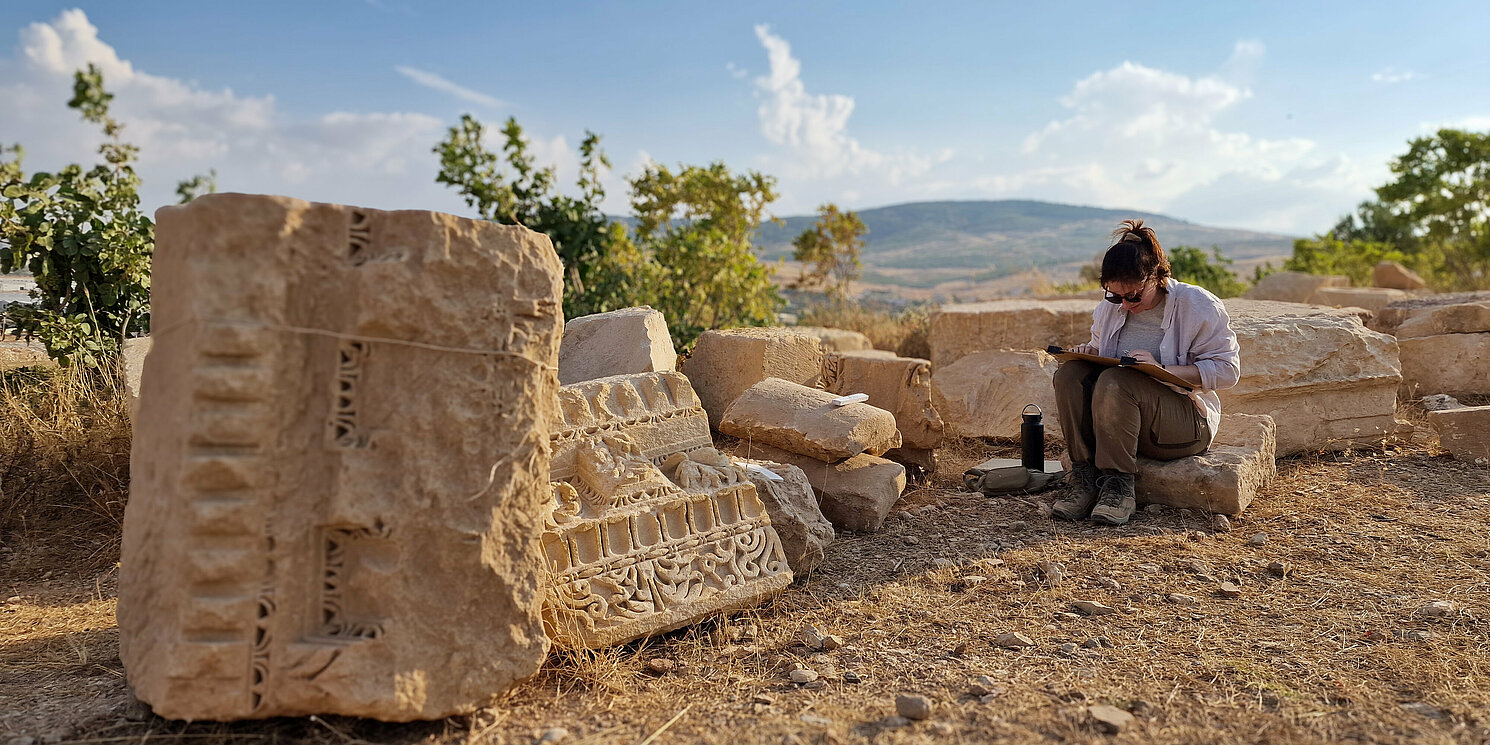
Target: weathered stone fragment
338,462
836,340
726,362
795,515
1456,364
1394,275
855,494
1327,381
1464,432
133,354
804,420
1022,325
899,385
982,394
1224,479
1456,313
650,528
1370,298
1294,287
621,342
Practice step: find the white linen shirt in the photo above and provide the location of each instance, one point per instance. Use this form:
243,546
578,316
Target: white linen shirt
1197,331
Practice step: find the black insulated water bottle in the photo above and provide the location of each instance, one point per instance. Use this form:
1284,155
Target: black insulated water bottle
1032,438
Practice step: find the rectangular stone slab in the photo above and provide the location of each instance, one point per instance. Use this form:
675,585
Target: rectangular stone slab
804,420
725,362
1464,432
899,385
1456,364
1224,479
854,494
339,462
648,528
1024,325
621,342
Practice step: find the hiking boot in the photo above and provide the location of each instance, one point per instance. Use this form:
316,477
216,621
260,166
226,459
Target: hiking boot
1078,503
1115,502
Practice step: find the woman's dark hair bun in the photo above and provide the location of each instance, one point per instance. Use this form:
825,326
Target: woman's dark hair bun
1135,255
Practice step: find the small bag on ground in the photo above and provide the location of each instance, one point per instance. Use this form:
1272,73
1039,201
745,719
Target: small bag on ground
1008,476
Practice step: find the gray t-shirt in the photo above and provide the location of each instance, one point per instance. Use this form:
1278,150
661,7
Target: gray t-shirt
1142,330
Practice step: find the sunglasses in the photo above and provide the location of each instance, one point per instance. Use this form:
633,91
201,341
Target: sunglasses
1135,298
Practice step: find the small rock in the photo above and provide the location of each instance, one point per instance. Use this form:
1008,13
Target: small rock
1221,523
852,677
764,698
661,666
943,563
812,638
982,686
1206,579
896,722
802,675
1110,718
554,734
1151,568
1013,640
22,740
1068,649
1279,569
941,729
1260,539
1413,635
973,580
1440,402
1154,509
1093,608
925,509
1018,525
832,642
912,706
1230,590
815,685
961,649
1182,599
911,540
1436,609
1051,573
1109,583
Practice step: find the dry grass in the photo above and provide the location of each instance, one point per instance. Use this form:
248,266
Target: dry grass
903,332
1322,654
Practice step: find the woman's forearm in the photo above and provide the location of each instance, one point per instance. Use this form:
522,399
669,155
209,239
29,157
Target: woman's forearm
1189,373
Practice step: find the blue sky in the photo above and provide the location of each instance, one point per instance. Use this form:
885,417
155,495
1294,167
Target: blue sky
1274,116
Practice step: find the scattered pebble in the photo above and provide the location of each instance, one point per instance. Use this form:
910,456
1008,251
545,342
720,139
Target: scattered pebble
1068,649
1260,539
983,686
925,509
852,677
802,675
1413,635
1110,718
1013,640
812,637
942,563
554,734
661,666
1151,568
1109,583
1051,573
815,685
1154,509
1182,599
1221,523
941,729
1423,709
1098,642
832,642
816,719
912,706
1279,569
1093,608
1018,525
764,698
1436,609
1230,590
911,540
973,580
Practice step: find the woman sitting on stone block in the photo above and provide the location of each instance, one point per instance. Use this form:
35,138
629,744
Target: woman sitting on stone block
1111,415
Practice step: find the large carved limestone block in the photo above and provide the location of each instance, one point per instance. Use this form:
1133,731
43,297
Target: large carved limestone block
804,420
792,504
1456,364
1464,432
899,385
1328,382
1370,298
836,340
649,527
621,342
1225,478
726,362
854,494
982,394
1294,287
1394,275
1450,313
1022,325
339,462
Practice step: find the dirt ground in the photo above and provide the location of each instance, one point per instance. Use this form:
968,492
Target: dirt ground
1332,643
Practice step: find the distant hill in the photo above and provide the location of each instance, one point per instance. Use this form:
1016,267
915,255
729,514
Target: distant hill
926,244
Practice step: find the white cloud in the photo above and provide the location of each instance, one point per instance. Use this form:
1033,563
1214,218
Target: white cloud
379,159
1470,123
435,82
1391,75
813,127
735,71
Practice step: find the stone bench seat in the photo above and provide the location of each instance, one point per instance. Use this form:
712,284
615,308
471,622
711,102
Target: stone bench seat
1223,479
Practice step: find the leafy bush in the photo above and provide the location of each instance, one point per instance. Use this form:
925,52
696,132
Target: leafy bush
1327,254
1192,265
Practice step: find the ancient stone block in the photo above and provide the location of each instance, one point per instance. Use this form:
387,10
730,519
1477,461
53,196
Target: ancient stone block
899,385
1327,381
1455,313
1464,432
982,394
650,528
836,340
339,462
795,515
133,354
1456,364
1370,298
1225,478
726,362
855,494
804,420
1394,275
621,342
1294,287
1022,325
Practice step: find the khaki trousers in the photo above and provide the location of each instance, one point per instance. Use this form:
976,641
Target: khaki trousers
1111,415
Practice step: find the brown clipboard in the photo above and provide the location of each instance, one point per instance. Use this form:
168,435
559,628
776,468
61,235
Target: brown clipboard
1154,371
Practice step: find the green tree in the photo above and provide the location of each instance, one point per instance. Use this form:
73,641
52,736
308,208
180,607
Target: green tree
1442,192
600,263
831,248
84,239
196,186
695,226
1353,258
1213,272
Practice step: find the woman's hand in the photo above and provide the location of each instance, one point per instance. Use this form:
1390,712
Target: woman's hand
1143,356
1083,349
